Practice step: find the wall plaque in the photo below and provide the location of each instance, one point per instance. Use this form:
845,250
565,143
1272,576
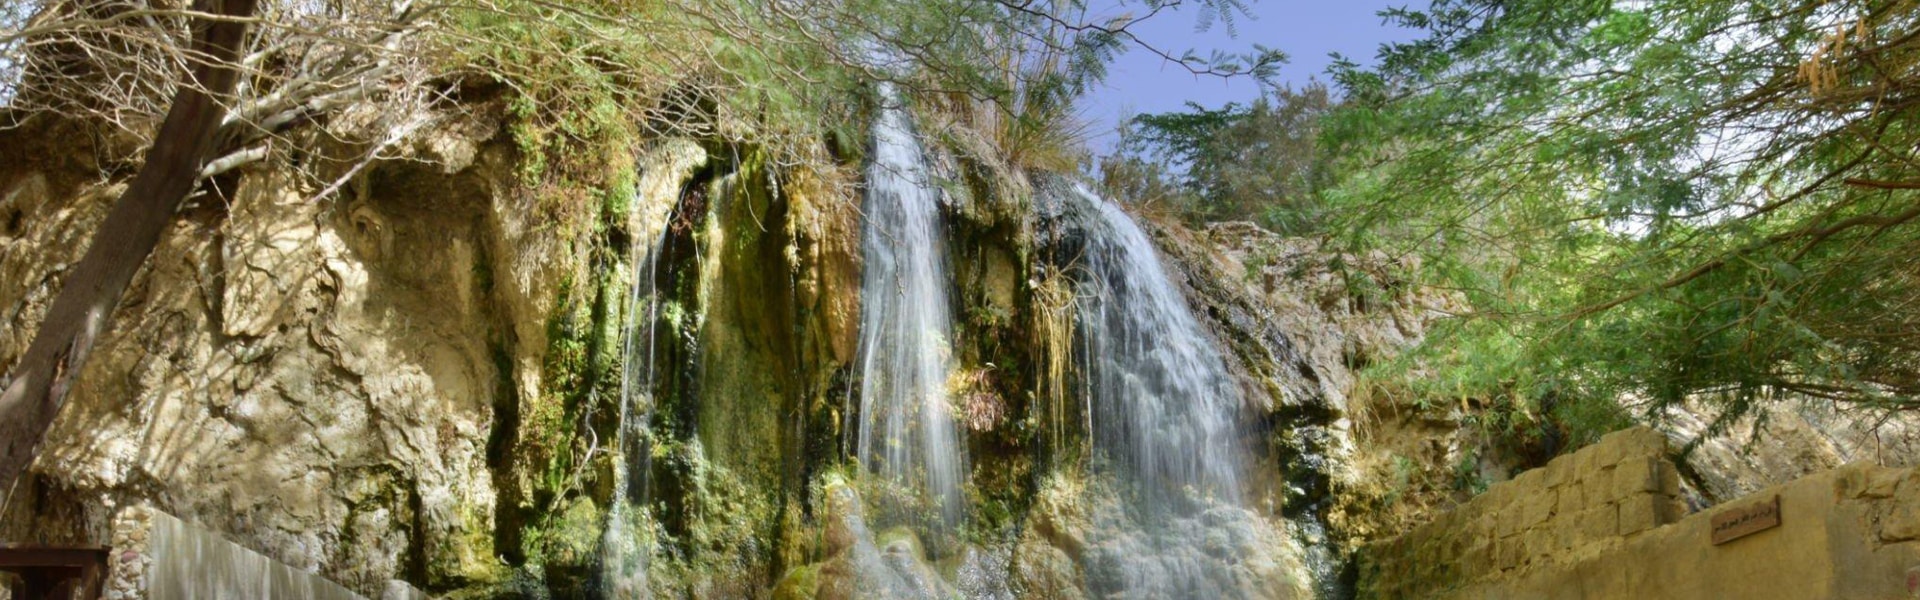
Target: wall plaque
1741,522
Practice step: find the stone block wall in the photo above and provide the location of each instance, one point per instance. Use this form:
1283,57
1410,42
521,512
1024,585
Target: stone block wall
1888,498
1602,523
1576,505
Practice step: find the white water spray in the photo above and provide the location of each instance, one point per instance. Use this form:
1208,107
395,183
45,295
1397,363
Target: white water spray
1163,406
906,427
625,557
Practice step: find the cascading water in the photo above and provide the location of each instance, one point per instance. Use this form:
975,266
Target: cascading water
1162,405
625,556
906,429
1162,411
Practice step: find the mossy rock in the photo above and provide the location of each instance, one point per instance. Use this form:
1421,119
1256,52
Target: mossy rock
800,583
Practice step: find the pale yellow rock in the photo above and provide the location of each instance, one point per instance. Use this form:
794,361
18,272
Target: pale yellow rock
314,380
1669,478
1558,471
1635,476
1638,513
1573,496
1599,523
1537,509
1902,523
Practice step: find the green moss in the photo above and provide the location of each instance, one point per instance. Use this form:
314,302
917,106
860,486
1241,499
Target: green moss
901,535
998,348
800,583
475,543
799,542
618,197
726,526
745,328
551,502
673,314
572,537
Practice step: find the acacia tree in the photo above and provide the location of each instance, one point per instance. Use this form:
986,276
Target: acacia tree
1254,161
1662,202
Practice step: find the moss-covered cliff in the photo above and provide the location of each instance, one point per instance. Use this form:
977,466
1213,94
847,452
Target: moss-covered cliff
435,376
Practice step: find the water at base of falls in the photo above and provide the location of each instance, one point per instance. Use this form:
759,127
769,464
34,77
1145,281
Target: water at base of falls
1161,403
906,429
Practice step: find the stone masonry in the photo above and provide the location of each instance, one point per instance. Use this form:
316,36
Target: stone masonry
1604,523
1578,503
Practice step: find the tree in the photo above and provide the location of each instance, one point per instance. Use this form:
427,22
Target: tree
38,383
1657,202
1259,161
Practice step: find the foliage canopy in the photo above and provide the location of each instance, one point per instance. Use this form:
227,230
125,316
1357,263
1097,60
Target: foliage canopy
1642,203
1255,161
1664,201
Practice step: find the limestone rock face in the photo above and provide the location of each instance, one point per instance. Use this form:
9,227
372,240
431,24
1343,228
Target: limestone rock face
1298,335
1794,439
1288,308
321,381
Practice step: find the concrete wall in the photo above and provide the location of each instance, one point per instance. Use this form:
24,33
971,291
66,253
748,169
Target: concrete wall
1847,533
158,557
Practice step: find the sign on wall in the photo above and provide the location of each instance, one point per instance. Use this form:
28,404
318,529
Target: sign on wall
1737,523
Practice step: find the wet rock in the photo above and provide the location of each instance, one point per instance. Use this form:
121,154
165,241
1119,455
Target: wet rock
981,573
859,564
1097,546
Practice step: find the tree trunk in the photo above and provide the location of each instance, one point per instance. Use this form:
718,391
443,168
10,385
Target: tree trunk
81,310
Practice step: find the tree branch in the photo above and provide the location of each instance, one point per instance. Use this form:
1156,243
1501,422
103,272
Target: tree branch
80,312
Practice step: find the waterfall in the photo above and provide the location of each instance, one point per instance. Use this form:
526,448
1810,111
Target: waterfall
1166,514
1161,403
906,429
625,556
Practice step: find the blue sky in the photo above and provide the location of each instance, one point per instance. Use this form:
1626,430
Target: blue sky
1307,30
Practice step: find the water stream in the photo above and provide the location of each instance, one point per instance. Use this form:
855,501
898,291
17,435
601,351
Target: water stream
1162,405
1163,412
906,430
625,556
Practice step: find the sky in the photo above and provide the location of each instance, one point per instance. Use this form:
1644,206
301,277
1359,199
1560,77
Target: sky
1306,30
